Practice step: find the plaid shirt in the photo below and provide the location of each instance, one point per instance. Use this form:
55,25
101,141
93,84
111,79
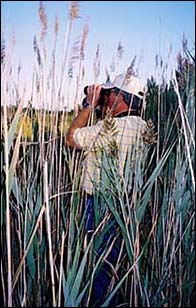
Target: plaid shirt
127,137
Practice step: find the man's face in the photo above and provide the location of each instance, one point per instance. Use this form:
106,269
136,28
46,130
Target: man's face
110,98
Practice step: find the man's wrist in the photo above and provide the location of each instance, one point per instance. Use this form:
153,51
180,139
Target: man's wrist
86,104
90,107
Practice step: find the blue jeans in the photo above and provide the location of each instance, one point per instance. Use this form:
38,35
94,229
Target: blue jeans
103,277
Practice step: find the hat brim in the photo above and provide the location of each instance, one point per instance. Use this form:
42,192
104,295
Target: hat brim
108,85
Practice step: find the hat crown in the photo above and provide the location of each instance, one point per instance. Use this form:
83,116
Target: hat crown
129,84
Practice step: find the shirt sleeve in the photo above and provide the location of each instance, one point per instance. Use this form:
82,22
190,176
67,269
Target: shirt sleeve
86,136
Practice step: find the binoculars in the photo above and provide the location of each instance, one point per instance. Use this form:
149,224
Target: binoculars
101,100
101,96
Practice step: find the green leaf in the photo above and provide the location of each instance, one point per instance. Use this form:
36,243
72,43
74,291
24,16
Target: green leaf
31,261
140,210
14,125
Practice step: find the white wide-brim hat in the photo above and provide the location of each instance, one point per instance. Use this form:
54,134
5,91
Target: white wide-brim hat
129,84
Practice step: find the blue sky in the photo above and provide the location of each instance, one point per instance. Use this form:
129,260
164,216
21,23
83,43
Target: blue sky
144,28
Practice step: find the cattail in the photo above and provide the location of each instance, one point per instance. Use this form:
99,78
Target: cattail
130,71
34,44
84,36
107,75
120,50
157,60
97,62
74,10
112,65
108,135
43,20
74,57
2,50
184,43
36,50
56,26
70,72
149,136
37,84
83,72
75,51
19,68
161,62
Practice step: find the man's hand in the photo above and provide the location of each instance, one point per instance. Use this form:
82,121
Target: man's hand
82,118
93,93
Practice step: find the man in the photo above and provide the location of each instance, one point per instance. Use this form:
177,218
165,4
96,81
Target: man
108,144
124,99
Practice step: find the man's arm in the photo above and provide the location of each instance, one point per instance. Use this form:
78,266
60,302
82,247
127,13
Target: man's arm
80,121
83,115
